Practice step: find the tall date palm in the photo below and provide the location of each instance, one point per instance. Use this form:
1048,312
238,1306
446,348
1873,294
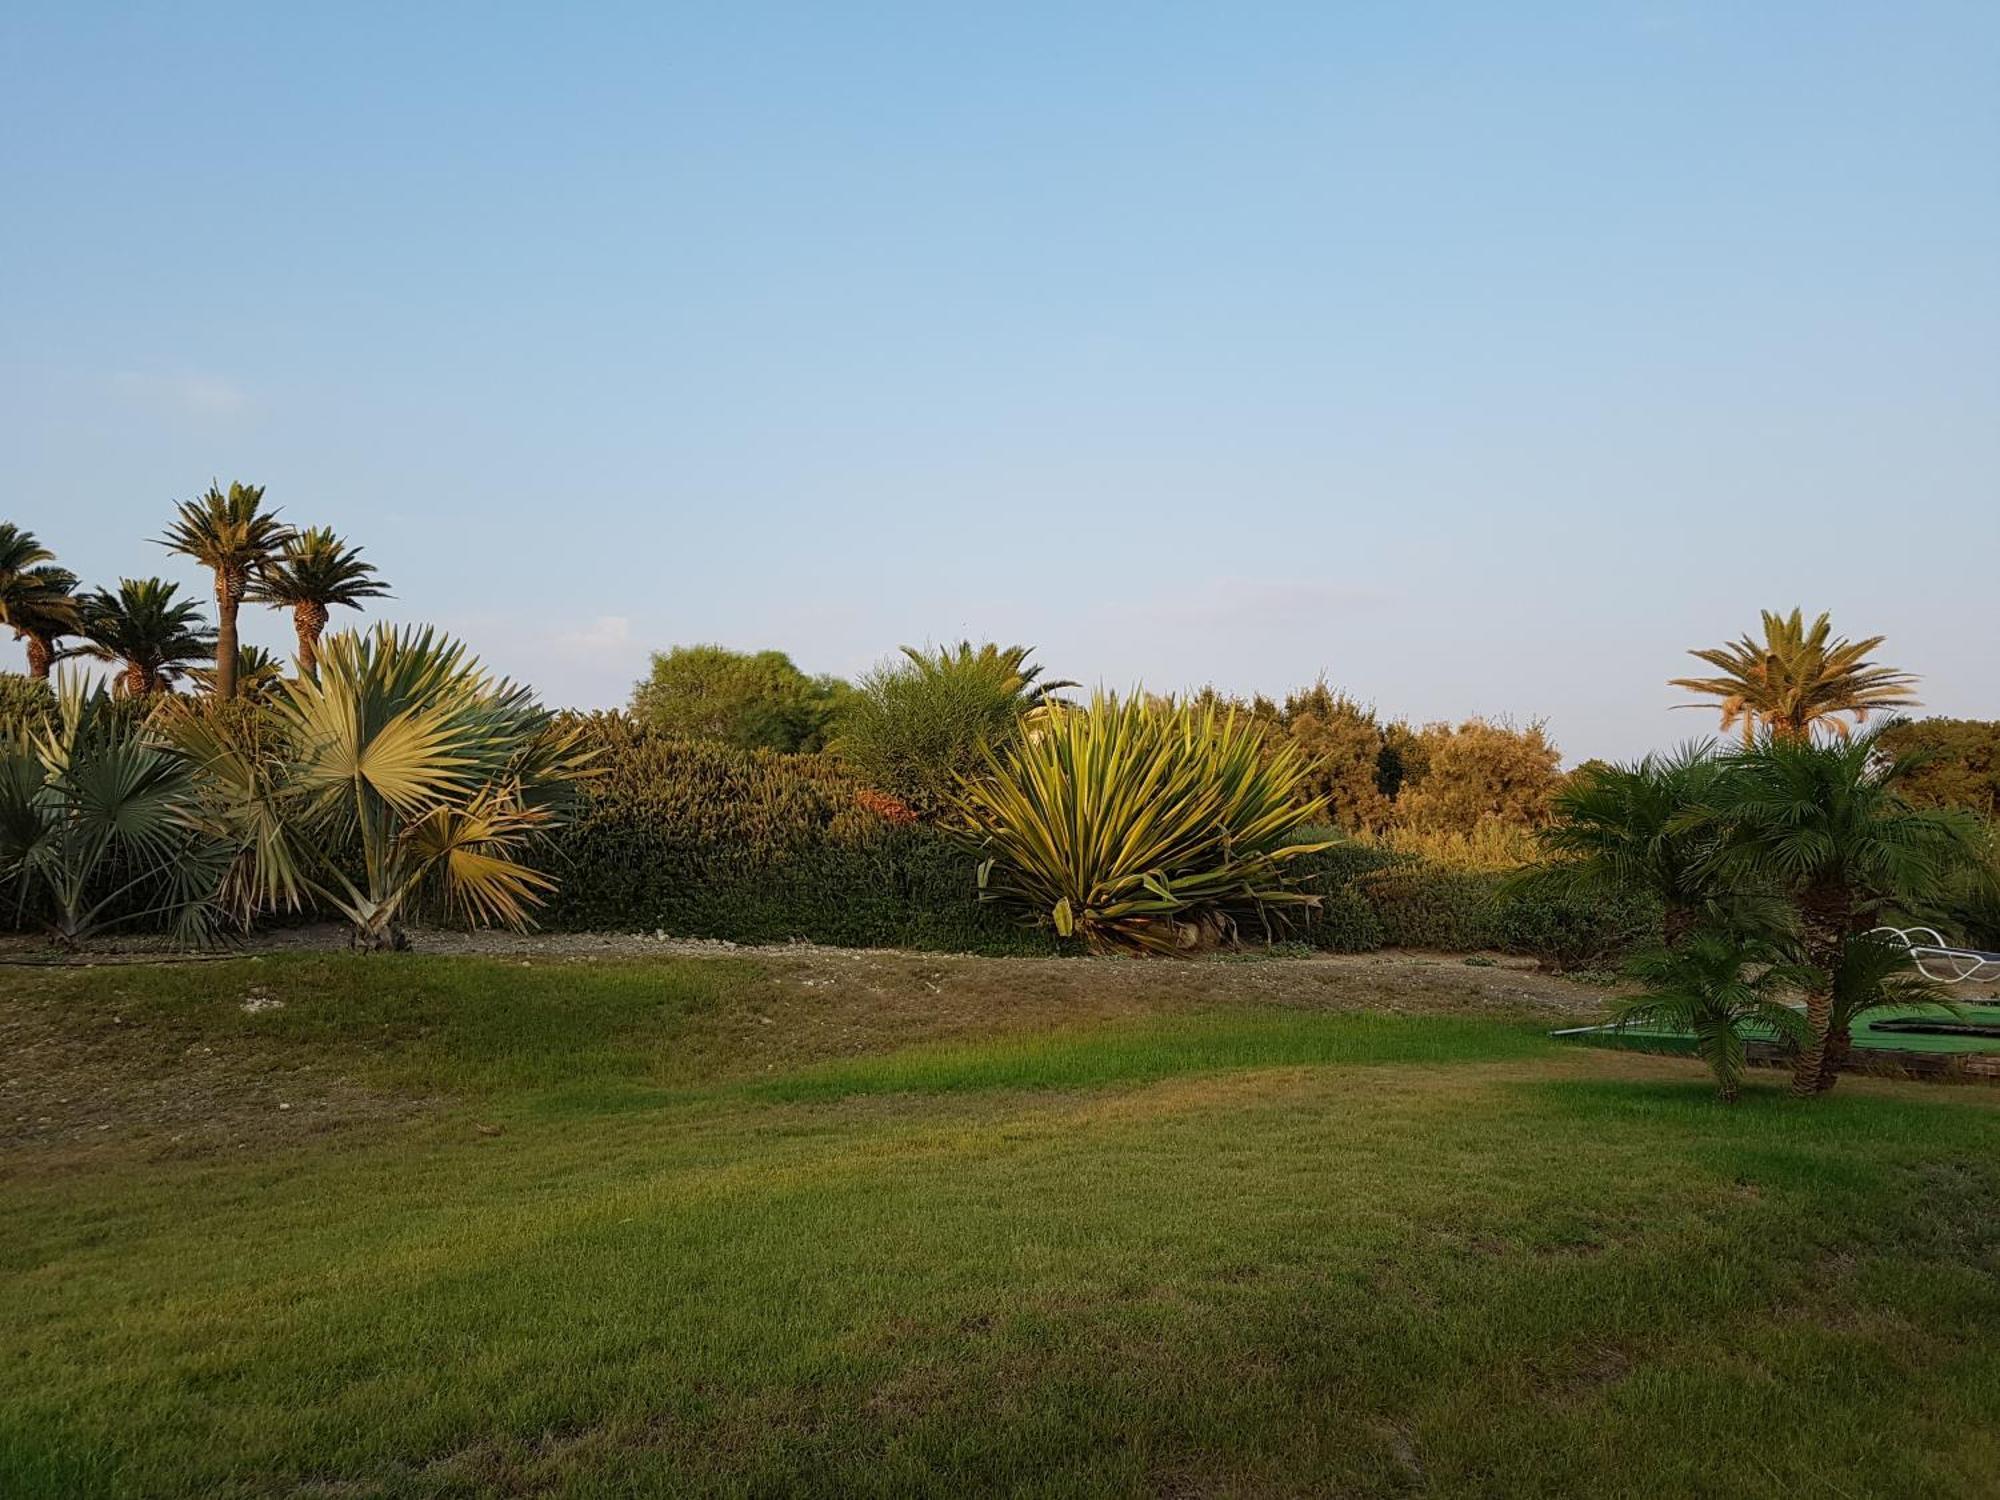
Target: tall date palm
234,537
1797,678
312,572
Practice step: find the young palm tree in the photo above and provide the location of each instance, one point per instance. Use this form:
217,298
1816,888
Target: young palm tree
314,571
151,636
1651,827
1828,825
1796,678
258,674
1873,975
401,771
233,536
1714,985
37,599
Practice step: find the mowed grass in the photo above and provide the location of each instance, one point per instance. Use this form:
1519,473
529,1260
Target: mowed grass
609,1246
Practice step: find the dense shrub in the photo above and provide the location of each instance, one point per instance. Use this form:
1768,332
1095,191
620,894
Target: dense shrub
1480,772
1961,762
919,723
702,840
746,700
23,697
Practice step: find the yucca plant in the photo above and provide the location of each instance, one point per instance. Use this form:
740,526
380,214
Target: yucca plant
1140,826
1714,985
99,821
402,774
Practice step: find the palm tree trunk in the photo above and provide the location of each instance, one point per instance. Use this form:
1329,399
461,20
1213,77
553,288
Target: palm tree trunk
225,639
309,619
1812,1052
138,680
1839,1044
39,657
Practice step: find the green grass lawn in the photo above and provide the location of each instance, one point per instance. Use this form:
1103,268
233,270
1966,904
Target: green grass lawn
595,1230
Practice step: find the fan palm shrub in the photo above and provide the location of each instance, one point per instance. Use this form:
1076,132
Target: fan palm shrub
37,599
1872,975
1827,825
99,821
234,537
312,572
1714,986
1796,678
1140,826
402,775
1653,828
915,728
152,636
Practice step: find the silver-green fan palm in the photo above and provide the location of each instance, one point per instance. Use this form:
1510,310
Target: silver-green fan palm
402,772
100,822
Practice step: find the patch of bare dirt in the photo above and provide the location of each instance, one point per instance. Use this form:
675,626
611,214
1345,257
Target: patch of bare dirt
67,1094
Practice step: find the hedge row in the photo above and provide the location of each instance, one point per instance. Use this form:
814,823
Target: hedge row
701,840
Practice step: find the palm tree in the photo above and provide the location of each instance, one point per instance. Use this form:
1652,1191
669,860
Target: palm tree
402,770
312,572
1713,986
151,636
1797,678
1651,827
258,674
1873,975
37,599
1827,824
234,537
98,821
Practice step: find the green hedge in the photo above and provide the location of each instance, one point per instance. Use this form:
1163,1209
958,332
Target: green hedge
1375,899
701,840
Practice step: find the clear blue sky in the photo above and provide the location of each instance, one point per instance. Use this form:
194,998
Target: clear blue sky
1481,356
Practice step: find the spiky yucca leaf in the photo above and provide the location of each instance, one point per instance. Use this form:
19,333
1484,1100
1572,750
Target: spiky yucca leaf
1140,825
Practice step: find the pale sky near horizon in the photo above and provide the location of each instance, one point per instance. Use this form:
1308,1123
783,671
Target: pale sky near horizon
1481,357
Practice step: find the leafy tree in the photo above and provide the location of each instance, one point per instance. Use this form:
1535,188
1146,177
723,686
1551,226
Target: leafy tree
750,700
401,770
1957,762
1350,763
1477,772
1828,825
1714,985
98,821
1797,678
915,727
234,537
37,599
314,571
153,637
